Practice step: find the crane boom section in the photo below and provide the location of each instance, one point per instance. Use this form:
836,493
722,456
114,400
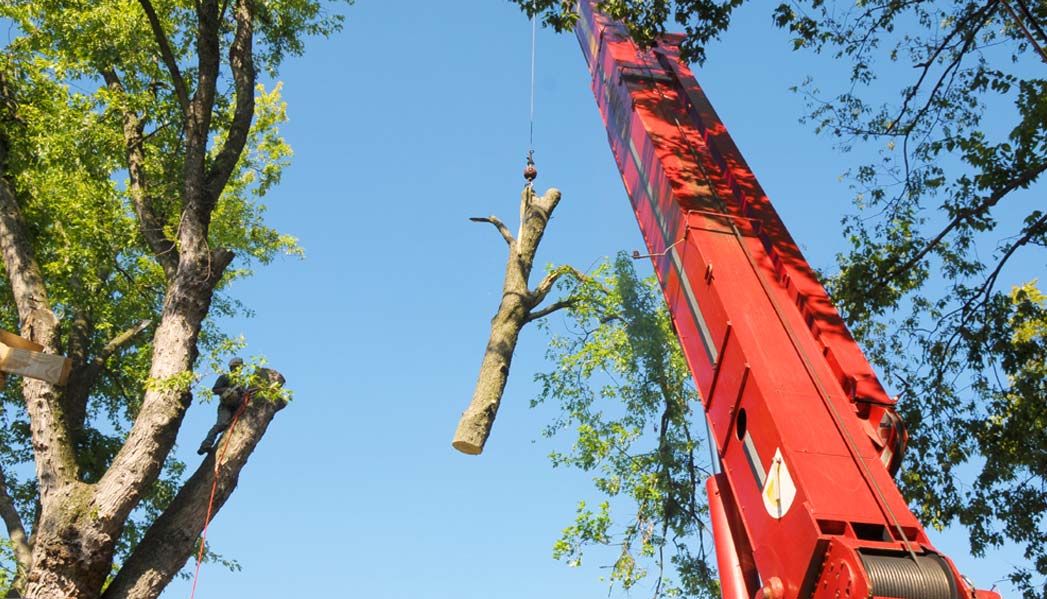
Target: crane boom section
805,432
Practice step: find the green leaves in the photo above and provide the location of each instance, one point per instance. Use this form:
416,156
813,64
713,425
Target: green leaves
625,399
702,20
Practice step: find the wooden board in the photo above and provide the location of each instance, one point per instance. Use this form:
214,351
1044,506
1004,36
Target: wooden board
13,340
26,362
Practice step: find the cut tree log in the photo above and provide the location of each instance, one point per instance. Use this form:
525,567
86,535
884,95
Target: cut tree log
518,307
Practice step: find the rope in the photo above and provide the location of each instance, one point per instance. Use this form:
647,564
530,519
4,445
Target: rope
214,488
534,31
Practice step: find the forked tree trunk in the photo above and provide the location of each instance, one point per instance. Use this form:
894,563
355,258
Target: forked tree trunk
517,308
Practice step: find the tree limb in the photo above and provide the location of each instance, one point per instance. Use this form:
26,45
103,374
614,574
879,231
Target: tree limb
498,224
241,60
83,379
171,539
181,93
15,530
150,223
1026,177
542,290
546,311
55,462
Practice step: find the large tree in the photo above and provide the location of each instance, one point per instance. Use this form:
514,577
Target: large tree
135,143
950,101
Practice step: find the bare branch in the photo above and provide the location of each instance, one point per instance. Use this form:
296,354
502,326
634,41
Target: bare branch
494,220
15,530
168,56
120,340
513,313
1024,178
546,311
542,290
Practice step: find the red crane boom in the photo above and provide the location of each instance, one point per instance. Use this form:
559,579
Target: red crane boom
805,504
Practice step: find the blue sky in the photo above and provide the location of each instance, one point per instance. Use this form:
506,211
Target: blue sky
411,120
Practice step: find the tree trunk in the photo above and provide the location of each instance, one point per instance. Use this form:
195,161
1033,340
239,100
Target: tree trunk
516,309
170,541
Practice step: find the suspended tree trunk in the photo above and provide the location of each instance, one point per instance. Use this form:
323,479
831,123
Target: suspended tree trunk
519,306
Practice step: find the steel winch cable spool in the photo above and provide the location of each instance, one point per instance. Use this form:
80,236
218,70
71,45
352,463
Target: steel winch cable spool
926,577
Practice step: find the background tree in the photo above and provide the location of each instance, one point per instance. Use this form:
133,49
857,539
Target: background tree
621,384
950,101
135,142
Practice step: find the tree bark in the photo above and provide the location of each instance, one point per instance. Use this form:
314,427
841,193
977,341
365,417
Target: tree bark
517,308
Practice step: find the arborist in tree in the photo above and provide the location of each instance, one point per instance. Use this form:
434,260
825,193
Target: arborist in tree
230,395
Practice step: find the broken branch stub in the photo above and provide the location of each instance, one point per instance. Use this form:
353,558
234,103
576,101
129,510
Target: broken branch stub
516,309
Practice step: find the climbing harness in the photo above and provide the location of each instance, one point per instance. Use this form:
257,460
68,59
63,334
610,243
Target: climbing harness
214,488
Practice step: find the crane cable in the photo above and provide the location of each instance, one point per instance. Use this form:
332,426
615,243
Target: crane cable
214,488
534,35
530,172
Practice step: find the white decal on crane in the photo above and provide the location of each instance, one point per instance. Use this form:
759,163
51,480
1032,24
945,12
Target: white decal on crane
779,491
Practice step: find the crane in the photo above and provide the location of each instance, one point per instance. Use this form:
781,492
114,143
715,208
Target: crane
808,440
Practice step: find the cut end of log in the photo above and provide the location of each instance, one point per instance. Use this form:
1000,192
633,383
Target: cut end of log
467,448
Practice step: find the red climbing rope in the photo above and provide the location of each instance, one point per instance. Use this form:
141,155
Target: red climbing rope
214,487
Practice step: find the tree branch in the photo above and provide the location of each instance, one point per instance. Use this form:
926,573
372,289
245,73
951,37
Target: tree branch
181,92
542,290
83,379
1025,178
513,312
55,463
241,60
150,223
498,224
171,539
15,530
546,311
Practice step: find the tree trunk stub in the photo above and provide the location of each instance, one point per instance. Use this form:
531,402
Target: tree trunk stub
515,310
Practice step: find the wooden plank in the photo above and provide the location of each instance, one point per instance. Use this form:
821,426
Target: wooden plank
38,365
13,340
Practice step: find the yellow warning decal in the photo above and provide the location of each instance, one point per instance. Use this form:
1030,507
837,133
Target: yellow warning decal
779,491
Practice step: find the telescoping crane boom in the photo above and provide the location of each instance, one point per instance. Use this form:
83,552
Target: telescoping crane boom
805,504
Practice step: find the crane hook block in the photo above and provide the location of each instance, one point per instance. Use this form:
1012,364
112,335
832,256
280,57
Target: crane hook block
530,173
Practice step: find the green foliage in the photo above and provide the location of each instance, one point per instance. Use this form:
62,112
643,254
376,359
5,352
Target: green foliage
625,396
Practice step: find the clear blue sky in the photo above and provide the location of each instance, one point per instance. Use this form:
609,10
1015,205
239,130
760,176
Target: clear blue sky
405,124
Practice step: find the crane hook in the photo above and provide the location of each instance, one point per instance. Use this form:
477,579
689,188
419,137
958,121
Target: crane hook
530,173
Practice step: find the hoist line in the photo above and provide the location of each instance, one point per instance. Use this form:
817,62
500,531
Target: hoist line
534,32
